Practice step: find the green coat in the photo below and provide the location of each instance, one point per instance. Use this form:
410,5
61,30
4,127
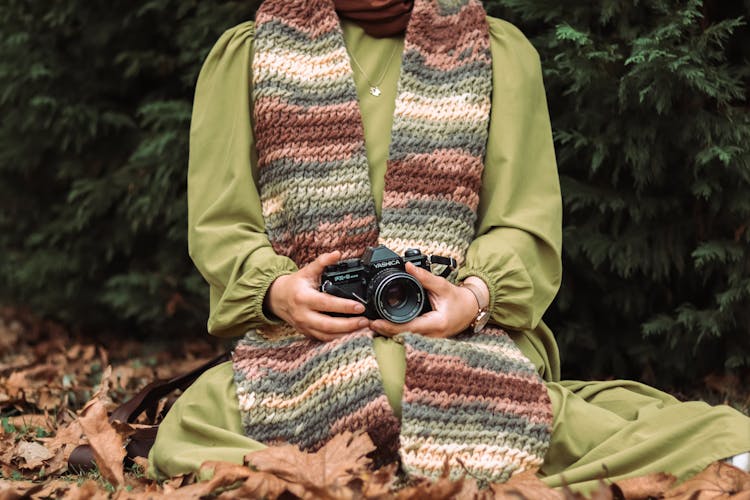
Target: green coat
624,426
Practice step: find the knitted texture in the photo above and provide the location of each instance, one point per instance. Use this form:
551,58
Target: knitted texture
304,392
473,401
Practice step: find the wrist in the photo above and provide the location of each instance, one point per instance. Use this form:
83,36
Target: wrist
274,298
479,290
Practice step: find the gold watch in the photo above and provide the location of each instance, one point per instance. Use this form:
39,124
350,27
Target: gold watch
483,314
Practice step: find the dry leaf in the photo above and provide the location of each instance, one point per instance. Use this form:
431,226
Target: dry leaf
644,487
31,420
718,480
105,442
62,445
225,474
258,485
56,488
34,454
87,491
442,489
12,490
375,484
602,492
102,391
525,485
329,468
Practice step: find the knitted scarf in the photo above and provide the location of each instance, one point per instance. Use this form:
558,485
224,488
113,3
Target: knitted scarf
474,401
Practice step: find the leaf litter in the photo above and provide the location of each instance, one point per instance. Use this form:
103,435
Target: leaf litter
57,390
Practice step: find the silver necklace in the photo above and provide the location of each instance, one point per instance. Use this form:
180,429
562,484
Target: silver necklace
374,87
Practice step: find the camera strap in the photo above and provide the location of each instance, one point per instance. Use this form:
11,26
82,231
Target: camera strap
449,263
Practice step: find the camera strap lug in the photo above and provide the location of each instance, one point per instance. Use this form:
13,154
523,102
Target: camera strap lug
449,262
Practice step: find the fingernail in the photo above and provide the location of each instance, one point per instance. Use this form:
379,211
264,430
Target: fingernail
359,308
363,323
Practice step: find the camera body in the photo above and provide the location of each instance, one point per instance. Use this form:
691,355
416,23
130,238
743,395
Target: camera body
380,282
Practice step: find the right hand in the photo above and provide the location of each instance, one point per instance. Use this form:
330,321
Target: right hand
296,298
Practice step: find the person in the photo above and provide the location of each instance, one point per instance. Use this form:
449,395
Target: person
311,140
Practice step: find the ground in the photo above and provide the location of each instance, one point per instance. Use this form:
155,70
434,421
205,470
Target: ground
57,388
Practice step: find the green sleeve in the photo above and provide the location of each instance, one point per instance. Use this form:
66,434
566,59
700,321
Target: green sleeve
226,236
518,244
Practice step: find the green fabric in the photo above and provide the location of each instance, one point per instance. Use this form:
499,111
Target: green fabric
517,249
622,427
618,428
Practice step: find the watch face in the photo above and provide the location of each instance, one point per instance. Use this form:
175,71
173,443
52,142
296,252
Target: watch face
481,321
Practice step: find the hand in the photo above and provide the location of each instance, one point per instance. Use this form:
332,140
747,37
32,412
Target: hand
453,309
296,299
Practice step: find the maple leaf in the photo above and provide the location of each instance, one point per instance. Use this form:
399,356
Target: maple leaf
525,485
241,481
718,480
321,473
643,487
106,443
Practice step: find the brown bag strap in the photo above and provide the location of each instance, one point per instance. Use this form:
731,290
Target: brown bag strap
147,399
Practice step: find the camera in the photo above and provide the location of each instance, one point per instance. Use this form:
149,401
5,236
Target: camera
380,282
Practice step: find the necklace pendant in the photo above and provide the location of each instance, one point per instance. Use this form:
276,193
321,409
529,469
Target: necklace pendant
375,90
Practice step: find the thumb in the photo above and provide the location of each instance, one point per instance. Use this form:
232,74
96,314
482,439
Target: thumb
315,268
428,280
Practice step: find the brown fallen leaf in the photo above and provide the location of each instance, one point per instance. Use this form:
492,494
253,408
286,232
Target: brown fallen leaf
377,484
106,443
225,475
56,488
102,391
718,480
525,485
602,492
328,469
31,420
62,445
89,490
33,454
258,485
12,490
644,487
441,489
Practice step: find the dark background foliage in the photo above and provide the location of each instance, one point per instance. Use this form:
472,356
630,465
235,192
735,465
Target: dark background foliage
649,102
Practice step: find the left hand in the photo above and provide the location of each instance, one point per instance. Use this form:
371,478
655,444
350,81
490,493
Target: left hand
453,309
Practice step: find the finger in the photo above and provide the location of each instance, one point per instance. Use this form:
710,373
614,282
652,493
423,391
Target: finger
327,337
315,268
323,302
429,281
426,324
334,325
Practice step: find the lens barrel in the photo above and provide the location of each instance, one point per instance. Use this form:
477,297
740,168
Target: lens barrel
397,296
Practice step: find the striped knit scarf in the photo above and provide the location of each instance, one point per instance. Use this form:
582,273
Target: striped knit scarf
473,401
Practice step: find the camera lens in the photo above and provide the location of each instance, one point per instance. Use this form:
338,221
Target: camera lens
397,296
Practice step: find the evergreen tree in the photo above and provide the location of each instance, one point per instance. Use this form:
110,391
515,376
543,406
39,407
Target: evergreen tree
96,100
649,106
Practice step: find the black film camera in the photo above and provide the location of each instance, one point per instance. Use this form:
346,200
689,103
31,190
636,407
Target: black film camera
380,282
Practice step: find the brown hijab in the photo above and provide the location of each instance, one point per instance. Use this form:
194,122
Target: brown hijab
379,18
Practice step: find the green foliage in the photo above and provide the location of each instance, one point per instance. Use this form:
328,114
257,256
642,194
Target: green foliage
649,106
96,99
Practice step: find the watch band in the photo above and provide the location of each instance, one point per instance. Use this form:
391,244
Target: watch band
483,315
